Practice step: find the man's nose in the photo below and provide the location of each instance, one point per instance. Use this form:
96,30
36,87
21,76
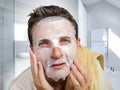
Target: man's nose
56,53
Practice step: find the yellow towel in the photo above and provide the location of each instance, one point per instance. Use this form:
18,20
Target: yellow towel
88,58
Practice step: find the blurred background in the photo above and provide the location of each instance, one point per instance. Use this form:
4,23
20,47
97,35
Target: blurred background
99,29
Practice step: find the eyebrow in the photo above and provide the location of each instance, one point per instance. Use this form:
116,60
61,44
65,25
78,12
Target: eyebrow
47,39
67,37
43,40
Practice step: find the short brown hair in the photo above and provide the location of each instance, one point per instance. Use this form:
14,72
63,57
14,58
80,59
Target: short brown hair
47,11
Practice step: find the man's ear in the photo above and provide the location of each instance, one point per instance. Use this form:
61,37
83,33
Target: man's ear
31,47
78,41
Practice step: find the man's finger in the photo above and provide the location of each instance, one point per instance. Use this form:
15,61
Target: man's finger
75,82
79,77
34,67
33,61
41,72
41,76
82,69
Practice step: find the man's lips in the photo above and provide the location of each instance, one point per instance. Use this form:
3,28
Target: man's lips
59,66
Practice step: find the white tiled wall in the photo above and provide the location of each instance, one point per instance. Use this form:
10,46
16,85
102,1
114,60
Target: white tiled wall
6,43
20,65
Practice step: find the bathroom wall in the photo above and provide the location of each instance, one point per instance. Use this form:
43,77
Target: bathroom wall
6,43
22,60
21,47
82,23
104,15
24,7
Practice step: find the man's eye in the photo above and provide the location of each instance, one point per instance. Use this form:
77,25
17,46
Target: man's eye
43,44
64,41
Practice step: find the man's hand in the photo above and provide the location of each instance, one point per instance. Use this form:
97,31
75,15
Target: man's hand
80,76
38,74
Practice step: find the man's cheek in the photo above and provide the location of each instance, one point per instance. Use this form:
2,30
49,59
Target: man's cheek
42,56
70,50
68,54
39,55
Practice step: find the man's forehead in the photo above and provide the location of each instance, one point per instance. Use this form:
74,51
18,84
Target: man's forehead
52,18
53,22
48,29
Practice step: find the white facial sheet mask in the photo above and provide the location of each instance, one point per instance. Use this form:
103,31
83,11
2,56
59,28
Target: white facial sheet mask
68,55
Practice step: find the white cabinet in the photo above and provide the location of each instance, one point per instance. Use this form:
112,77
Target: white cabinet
99,42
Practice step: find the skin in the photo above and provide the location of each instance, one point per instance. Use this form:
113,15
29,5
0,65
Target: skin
53,44
59,44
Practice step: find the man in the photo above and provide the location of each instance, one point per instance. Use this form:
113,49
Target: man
58,61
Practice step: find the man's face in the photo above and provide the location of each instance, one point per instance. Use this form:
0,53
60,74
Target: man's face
54,45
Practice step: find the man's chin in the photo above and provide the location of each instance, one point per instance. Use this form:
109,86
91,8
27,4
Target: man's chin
57,75
56,81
